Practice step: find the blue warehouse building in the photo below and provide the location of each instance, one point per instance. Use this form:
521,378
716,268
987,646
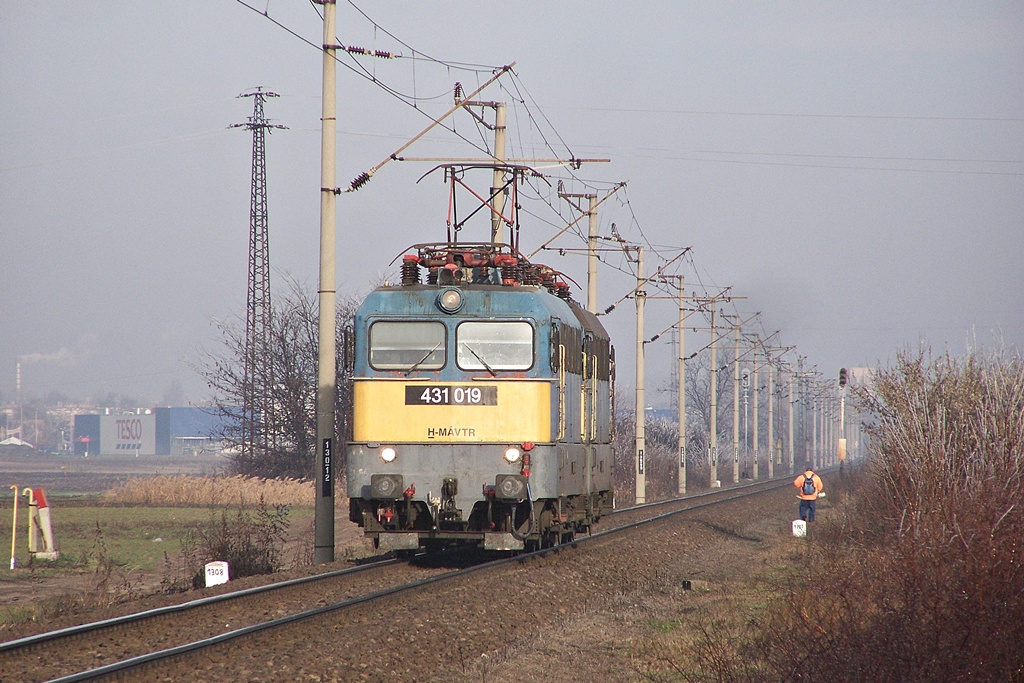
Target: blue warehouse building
160,431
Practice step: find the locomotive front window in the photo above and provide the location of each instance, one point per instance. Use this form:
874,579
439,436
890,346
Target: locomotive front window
407,345
494,346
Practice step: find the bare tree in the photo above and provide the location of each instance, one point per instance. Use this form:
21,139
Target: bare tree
294,349
698,406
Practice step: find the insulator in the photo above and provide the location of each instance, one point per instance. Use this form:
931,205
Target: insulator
458,91
360,180
410,272
432,276
511,276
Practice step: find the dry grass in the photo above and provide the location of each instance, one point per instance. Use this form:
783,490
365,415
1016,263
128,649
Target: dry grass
190,490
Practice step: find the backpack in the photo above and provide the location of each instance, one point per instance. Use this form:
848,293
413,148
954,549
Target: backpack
808,488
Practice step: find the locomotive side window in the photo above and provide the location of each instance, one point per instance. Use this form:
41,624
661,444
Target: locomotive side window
574,348
494,346
407,345
555,341
602,358
588,352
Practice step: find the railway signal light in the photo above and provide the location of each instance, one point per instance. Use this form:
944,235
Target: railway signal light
843,377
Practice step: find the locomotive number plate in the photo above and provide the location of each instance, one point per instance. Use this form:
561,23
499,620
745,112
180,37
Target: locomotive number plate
450,395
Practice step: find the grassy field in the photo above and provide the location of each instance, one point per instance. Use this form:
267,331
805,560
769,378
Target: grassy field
121,524
132,538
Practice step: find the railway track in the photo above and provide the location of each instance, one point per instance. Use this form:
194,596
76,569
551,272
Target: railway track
143,640
49,655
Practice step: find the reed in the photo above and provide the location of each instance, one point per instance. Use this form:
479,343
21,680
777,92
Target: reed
183,489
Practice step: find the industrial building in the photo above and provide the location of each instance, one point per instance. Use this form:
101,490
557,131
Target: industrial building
159,431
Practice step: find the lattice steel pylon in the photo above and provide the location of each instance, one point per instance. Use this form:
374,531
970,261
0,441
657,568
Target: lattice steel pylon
258,377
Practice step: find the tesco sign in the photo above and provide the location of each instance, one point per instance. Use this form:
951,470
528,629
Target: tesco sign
129,430
129,434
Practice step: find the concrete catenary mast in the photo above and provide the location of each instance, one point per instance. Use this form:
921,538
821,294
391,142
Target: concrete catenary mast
326,376
640,295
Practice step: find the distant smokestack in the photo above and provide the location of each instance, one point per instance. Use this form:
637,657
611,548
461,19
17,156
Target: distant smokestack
18,382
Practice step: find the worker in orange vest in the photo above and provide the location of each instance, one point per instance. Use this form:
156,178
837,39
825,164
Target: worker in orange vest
810,487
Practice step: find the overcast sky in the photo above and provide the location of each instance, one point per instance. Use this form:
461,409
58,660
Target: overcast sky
855,170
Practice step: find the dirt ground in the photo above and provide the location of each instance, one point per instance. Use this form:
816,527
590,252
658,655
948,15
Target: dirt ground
34,588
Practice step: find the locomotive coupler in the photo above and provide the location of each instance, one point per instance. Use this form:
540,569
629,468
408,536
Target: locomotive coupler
449,511
489,497
410,511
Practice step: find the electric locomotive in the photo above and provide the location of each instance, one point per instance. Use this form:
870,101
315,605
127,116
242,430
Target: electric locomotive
482,406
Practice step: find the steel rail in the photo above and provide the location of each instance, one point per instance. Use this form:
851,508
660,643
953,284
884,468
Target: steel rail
40,638
766,484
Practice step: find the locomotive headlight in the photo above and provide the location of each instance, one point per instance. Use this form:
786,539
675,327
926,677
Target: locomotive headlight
388,454
512,455
450,300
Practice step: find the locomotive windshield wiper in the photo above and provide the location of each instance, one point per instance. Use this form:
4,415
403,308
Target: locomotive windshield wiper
421,360
482,361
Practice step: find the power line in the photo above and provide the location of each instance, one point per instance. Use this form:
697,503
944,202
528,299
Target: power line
852,168
869,117
409,100
118,148
677,155
864,157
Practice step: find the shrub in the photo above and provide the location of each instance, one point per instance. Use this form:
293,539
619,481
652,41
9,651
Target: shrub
924,579
918,575
251,542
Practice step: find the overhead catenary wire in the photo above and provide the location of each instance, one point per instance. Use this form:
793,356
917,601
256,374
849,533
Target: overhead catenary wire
362,73
449,63
522,94
645,281
525,103
364,177
409,100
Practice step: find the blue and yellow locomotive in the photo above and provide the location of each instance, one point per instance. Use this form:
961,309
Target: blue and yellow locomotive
482,406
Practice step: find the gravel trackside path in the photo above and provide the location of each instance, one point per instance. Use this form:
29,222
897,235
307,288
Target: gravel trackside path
584,612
